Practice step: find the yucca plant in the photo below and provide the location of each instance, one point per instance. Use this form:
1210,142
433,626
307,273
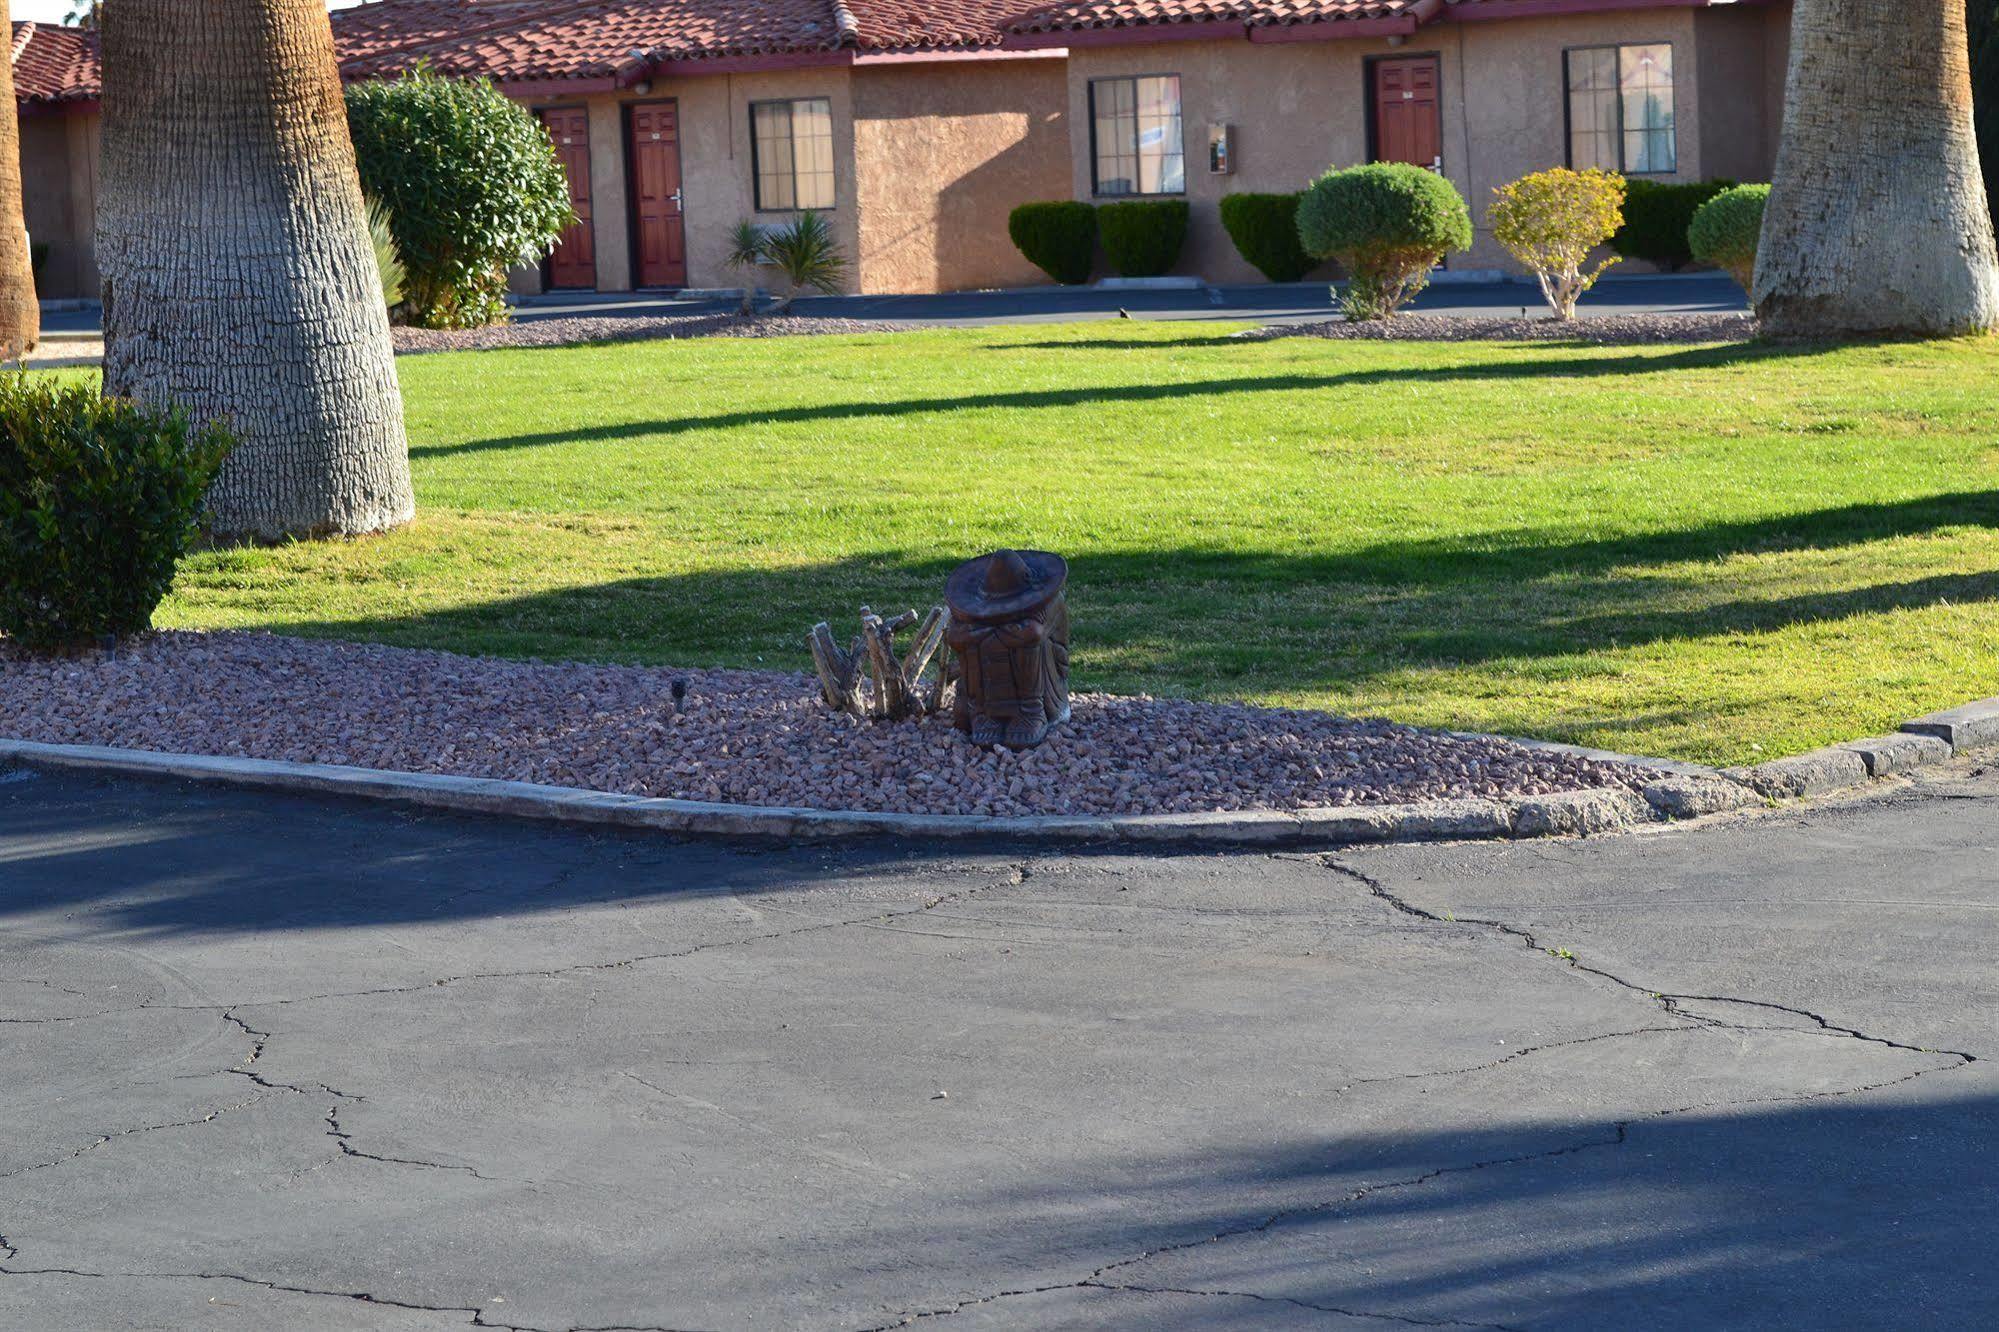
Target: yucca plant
746,251
388,258
808,256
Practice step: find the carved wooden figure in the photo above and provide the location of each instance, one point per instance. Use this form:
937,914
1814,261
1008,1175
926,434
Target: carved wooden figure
1010,632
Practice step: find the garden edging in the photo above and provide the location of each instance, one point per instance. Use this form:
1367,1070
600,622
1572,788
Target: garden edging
1682,791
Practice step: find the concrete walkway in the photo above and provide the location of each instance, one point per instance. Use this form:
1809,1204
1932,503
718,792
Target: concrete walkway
268,1062
1692,293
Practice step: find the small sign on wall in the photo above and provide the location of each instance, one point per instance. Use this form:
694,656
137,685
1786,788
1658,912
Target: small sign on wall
1221,149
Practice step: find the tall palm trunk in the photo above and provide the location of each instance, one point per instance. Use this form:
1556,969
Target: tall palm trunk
1877,221
239,277
20,316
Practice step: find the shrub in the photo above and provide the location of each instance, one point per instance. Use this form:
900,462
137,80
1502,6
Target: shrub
806,253
388,259
472,186
99,497
1142,237
1656,217
1389,224
1552,222
1264,228
746,251
1058,237
1728,228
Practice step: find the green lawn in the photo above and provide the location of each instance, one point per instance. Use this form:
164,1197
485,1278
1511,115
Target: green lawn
1709,553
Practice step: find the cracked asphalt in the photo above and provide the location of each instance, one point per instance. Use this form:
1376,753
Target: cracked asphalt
272,1062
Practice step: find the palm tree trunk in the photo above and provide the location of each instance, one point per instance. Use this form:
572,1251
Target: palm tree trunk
20,315
1877,222
239,276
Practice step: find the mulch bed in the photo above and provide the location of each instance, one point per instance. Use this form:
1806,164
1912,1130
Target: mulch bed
569,332
1605,330
746,737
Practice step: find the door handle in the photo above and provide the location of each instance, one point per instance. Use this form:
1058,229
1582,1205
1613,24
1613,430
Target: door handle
677,204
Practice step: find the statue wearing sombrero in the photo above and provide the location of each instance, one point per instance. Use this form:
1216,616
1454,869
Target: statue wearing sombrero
1010,632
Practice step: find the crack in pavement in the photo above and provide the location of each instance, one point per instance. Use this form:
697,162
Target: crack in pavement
1618,1136
476,1316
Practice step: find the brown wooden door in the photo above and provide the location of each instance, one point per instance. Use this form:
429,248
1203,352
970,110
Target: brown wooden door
574,263
653,152
1408,116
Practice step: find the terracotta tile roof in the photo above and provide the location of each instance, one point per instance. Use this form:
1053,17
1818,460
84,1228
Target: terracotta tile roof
53,64
1085,14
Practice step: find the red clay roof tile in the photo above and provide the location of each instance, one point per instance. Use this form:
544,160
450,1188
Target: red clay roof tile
53,64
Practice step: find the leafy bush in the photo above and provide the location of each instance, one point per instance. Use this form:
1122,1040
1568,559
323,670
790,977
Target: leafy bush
99,497
1656,217
472,186
1058,237
1389,224
1142,237
806,253
1264,228
1552,222
1728,228
388,259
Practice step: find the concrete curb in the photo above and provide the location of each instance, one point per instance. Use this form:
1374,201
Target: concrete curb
1682,791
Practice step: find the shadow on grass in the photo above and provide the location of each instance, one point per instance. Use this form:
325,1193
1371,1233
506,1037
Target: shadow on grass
1568,367
1218,624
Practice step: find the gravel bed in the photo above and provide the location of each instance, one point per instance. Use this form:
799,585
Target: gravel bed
1608,330
568,332
746,737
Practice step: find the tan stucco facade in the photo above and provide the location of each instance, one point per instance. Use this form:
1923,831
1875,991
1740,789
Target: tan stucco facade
1297,108
932,152
59,198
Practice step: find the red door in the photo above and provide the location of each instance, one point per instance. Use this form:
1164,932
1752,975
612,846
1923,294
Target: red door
653,142
1408,117
574,263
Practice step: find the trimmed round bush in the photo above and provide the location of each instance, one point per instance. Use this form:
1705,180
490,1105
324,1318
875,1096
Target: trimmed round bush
1656,217
99,498
1059,237
1388,224
1264,228
1727,229
1142,237
472,186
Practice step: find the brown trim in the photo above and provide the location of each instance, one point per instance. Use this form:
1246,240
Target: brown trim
942,57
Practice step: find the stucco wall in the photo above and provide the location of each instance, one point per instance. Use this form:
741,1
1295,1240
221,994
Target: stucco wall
943,152
59,198
1298,108
1742,58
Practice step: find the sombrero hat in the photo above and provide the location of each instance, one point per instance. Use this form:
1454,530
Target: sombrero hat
1005,585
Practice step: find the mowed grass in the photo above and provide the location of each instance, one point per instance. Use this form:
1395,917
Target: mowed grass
1717,554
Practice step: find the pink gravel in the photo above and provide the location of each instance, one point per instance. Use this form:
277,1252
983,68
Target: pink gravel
642,328
746,737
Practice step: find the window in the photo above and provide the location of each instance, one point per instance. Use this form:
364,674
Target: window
1135,136
1621,109
791,146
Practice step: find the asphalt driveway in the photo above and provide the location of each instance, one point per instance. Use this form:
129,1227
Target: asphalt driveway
268,1062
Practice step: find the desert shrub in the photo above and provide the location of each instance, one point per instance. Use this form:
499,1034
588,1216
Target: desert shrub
1389,224
1727,229
1142,237
1059,237
1552,222
388,259
99,497
805,251
1264,228
1656,217
472,185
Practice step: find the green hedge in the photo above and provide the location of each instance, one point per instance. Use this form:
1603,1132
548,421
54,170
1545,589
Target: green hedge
472,185
1059,237
1728,229
99,497
1656,218
1142,237
1264,228
1389,224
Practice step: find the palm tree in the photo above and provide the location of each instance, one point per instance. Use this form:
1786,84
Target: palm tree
20,315
1878,221
239,277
